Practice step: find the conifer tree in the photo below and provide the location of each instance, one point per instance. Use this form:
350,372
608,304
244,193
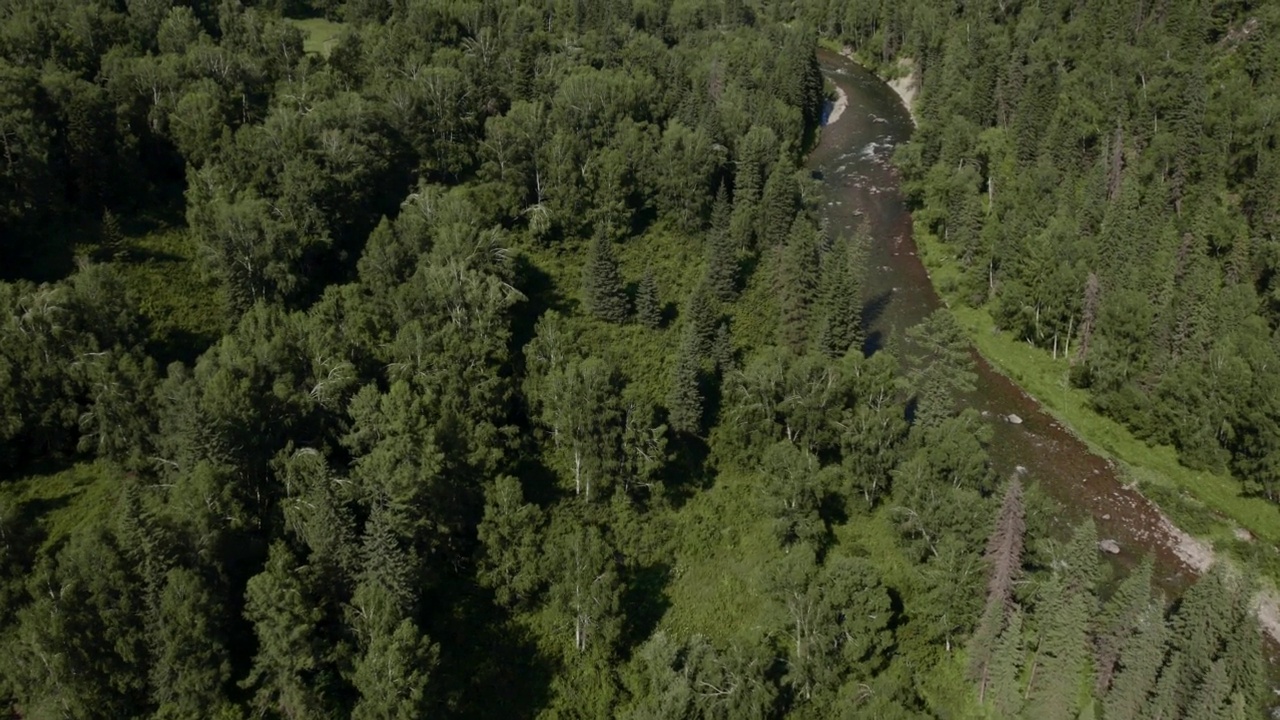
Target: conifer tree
1066,607
841,299
1140,659
700,321
1004,560
778,205
1166,701
722,349
1212,700
648,304
798,283
1004,674
111,236
684,402
605,292
943,367
1118,621
722,261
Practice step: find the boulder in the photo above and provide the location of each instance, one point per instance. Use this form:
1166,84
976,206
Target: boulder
1015,419
1109,546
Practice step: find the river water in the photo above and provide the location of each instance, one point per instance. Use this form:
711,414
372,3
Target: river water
853,159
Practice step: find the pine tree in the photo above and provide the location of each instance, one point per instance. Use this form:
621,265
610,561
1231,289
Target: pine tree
1066,607
1139,661
700,321
778,205
722,349
111,237
798,283
1004,559
841,299
1118,621
602,282
722,261
684,402
1004,688
648,304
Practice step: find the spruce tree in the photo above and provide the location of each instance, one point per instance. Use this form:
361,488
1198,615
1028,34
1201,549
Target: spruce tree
1118,621
700,321
722,261
1004,561
1214,696
722,349
1003,686
684,402
778,205
1134,680
602,282
798,281
1066,607
648,302
111,236
841,299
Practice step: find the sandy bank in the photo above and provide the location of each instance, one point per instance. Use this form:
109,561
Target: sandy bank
907,86
832,110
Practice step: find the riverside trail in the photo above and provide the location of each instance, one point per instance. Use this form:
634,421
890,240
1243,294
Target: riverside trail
853,160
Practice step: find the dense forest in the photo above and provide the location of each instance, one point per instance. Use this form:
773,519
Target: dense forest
1108,174
492,358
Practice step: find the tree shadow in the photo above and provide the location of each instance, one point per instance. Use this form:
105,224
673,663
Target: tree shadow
541,295
686,474
646,601
874,309
669,314
490,666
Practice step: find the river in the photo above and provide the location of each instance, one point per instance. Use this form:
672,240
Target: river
853,159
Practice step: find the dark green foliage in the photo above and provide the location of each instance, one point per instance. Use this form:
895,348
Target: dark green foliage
1067,604
406,471
840,298
684,400
648,301
1101,208
722,257
943,367
701,320
798,280
602,284
1134,684
1004,672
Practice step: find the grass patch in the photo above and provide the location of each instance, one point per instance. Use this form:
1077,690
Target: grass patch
183,310
319,34
49,506
1208,504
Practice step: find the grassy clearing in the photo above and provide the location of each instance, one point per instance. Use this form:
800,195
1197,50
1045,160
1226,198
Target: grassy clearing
320,35
182,309
49,506
1207,504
